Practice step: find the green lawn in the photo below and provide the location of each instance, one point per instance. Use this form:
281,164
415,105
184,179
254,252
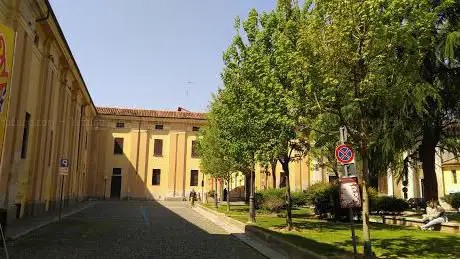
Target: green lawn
330,238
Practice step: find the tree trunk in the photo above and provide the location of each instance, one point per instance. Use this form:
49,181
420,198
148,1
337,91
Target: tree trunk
266,178
247,187
365,200
215,193
273,164
228,196
427,156
285,165
336,169
252,205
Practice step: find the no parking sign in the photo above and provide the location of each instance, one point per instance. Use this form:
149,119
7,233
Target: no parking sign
344,154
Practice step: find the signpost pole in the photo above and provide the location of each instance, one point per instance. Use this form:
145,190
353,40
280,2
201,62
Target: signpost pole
63,170
60,203
343,138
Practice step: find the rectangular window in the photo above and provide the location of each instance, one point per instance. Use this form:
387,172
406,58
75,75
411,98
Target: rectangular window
195,128
116,171
25,136
194,178
454,176
120,124
156,173
194,152
50,149
118,146
159,127
158,147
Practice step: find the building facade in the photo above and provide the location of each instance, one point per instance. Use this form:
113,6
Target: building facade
114,152
410,184
49,105
145,154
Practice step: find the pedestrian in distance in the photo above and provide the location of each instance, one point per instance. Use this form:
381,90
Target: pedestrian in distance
192,197
225,194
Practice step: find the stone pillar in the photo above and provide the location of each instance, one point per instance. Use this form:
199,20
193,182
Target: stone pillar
180,164
172,164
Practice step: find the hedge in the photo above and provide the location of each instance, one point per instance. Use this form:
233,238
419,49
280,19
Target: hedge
453,199
274,200
325,198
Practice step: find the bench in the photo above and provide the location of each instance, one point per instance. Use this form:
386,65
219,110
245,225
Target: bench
450,227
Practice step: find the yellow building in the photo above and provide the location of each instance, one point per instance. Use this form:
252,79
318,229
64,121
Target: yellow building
111,152
450,176
145,154
48,107
303,174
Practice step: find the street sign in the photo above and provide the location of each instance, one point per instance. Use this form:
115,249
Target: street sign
344,154
349,193
64,167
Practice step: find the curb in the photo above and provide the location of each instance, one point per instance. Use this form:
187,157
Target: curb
267,239
50,221
239,233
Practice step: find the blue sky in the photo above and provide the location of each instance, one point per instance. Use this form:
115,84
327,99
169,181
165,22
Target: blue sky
145,53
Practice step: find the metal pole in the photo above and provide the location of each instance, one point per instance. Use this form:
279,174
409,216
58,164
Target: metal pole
343,137
105,187
62,194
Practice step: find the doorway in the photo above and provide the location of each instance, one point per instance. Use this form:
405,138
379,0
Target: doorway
115,187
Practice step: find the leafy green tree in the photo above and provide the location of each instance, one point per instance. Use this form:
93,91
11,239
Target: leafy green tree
273,68
366,57
238,111
441,69
213,154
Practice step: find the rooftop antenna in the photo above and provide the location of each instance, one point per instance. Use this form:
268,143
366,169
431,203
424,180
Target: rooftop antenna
187,90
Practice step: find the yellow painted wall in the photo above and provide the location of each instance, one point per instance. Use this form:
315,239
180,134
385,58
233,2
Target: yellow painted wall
450,185
138,160
47,85
301,172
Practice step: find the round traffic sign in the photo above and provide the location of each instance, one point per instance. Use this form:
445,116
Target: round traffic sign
344,154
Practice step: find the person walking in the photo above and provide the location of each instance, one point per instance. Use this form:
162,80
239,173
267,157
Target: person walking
225,194
192,197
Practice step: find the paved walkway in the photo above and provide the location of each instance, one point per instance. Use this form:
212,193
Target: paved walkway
122,229
21,227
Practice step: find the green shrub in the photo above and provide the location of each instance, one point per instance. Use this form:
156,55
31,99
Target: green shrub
388,204
322,196
453,199
298,198
258,199
318,192
272,200
325,198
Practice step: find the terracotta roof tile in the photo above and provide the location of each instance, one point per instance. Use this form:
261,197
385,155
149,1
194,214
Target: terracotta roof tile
150,113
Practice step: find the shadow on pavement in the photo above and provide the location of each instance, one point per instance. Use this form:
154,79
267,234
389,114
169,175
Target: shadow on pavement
132,229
